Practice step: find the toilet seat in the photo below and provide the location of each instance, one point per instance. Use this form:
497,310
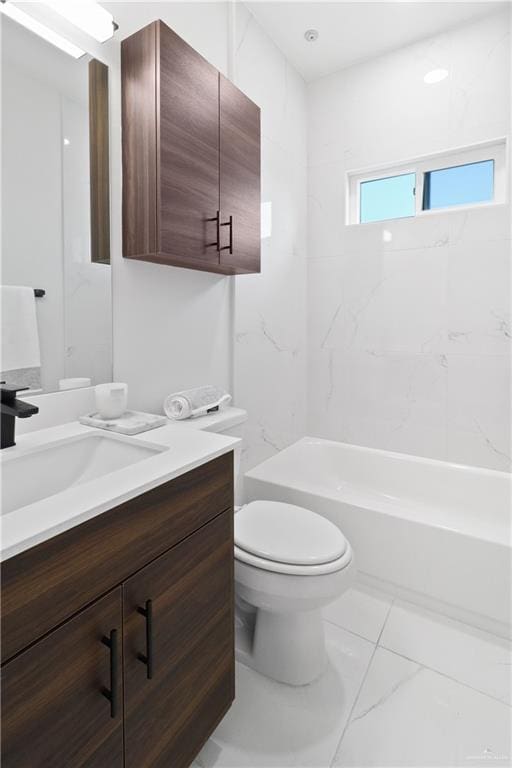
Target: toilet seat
294,570
285,538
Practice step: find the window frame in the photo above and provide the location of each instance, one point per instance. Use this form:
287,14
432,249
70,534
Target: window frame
495,150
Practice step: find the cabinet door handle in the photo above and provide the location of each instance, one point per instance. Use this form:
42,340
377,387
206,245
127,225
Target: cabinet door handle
147,658
112,693
229,224
216,244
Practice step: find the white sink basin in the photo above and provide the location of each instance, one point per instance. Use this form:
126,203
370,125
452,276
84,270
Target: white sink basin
44,471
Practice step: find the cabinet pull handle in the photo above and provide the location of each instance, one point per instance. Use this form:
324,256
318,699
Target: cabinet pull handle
229,224
147,658
216,244
112,693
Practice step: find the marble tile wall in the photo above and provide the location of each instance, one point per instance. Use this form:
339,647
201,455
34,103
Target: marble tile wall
269,358
247,334
172,326
409,320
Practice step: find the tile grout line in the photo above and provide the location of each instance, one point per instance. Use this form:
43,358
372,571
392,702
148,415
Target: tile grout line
446,676
378,644
433,669
350,631
467,626
389,597
356,698
429,608
349,718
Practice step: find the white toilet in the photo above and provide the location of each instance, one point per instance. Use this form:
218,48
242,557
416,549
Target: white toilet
289,563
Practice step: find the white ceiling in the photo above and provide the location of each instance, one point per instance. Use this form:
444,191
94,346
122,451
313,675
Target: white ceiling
351,32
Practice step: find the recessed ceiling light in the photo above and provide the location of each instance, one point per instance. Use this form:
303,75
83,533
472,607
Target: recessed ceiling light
14,13
435,76
311,35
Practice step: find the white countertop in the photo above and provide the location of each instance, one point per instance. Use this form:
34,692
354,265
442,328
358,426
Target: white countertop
30,525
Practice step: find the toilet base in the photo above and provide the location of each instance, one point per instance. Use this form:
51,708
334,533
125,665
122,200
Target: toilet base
287,647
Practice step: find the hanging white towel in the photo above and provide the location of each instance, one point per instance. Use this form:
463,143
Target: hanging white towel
20,355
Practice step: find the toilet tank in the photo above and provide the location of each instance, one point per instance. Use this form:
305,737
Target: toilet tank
227,421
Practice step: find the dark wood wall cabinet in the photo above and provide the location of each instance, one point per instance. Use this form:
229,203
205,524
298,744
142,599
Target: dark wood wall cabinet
191,159
118,635
99,162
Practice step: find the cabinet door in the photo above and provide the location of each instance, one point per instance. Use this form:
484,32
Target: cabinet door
189,151
170,114
54,709
239,179
179,648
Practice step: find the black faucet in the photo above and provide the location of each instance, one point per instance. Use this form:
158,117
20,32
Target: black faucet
10,409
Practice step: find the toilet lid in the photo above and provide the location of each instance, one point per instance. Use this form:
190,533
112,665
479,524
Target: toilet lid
285,533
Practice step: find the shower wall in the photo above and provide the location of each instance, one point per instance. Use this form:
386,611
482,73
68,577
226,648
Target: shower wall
409,320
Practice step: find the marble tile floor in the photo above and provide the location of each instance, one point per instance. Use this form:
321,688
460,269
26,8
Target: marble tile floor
404,687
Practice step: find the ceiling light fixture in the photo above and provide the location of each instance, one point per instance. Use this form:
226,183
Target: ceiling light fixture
14,13
87,15
435,76
311,35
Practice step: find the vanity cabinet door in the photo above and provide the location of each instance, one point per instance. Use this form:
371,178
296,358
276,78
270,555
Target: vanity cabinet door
179,648
239,179
54,708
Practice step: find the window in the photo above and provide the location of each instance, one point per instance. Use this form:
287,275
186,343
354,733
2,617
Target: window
470,176
460,185
389,198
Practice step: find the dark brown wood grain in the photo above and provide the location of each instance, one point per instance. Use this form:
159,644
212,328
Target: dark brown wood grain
172,136
139,139
53,712
240,177
175,261
189,150
46,584
193,632
99,162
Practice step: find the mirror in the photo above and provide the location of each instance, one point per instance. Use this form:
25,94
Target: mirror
56,220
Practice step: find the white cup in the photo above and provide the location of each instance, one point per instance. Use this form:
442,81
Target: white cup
111,400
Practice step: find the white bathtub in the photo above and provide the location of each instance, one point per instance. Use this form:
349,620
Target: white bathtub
440,532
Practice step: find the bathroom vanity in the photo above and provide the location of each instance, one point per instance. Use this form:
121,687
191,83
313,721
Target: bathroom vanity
117,632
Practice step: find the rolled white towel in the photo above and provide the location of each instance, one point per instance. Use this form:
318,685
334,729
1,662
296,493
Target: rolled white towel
195,402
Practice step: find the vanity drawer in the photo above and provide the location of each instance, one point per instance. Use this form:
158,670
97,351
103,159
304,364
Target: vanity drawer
50,582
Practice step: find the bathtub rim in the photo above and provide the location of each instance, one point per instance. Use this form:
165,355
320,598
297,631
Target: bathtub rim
409,457
394,506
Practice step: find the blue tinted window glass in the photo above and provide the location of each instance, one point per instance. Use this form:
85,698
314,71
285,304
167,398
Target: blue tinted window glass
461,185
391,198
